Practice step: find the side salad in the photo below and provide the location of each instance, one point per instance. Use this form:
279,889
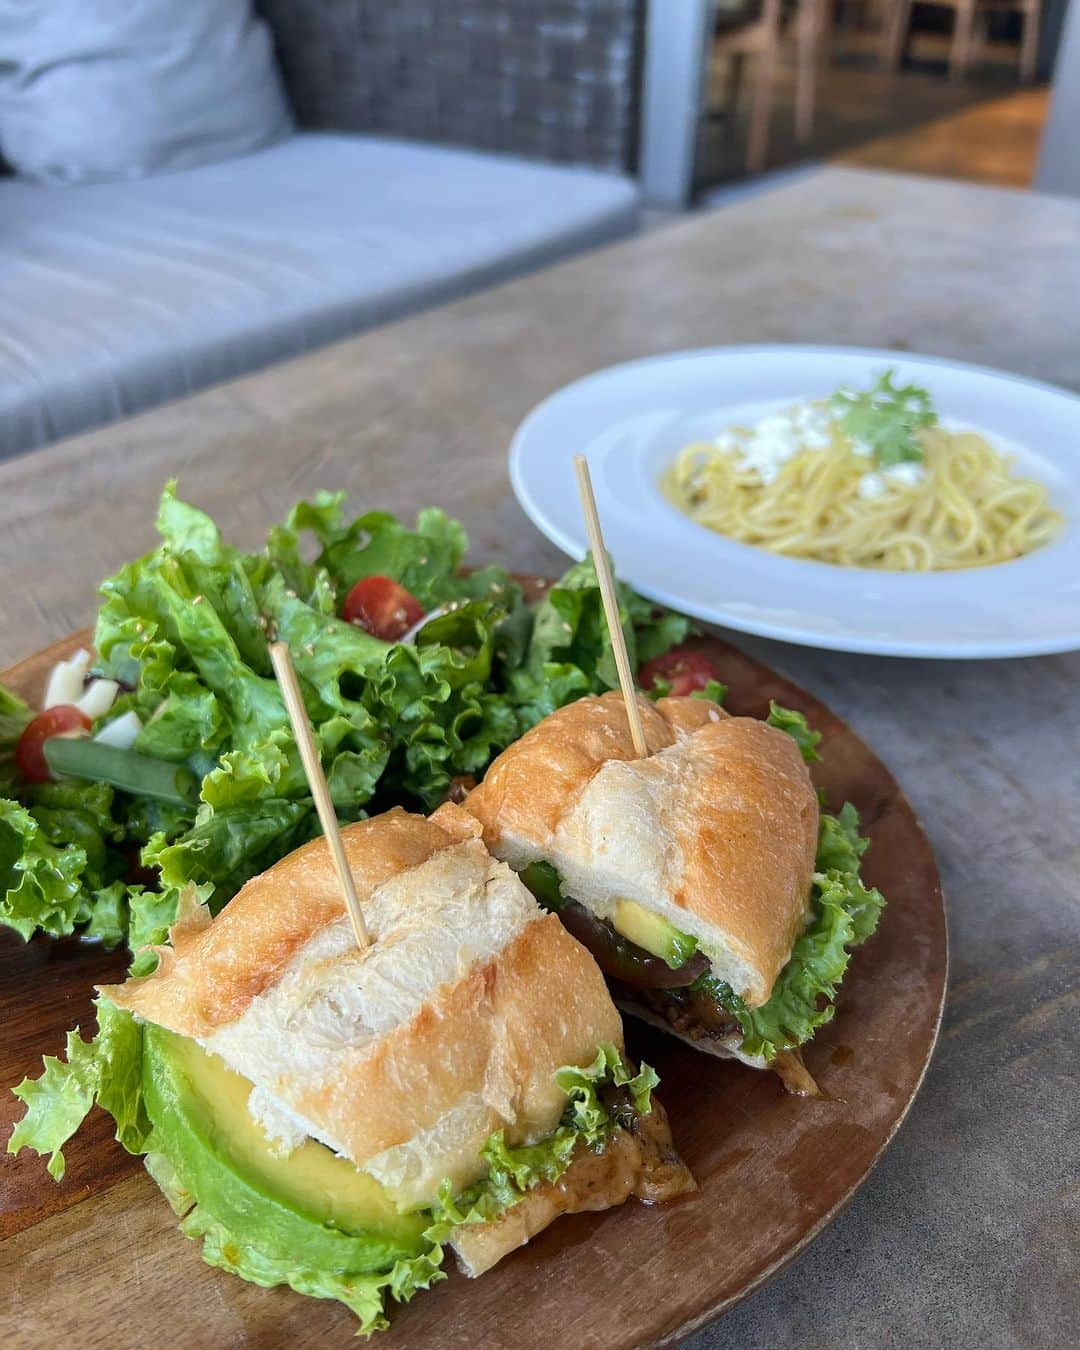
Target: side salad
415,676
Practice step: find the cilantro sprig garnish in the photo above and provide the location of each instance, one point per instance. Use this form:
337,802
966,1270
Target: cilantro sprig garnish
885,419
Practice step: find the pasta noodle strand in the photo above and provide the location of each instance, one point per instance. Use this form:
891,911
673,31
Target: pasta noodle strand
967,511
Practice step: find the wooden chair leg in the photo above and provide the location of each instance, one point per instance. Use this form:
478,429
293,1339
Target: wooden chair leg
980,38
810,24
1029,43
761,108
737,71
897,22
826,12
963,31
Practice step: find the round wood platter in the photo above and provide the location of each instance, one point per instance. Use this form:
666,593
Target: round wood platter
99,1258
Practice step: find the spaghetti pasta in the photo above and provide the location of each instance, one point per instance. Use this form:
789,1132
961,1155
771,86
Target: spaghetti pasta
960,507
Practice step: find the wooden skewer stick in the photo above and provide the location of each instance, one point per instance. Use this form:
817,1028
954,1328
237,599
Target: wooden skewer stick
309,755
611,605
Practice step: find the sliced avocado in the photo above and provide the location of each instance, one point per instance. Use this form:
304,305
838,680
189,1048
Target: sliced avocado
654,933
309,1206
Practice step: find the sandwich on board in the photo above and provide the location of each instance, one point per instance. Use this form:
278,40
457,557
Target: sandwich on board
715,895
328,1117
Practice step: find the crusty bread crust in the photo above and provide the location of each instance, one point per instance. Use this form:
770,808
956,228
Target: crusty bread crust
716,829
211,971
750,843
534,782
499,1034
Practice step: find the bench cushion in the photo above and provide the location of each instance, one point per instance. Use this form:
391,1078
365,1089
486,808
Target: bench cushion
93,90
114,297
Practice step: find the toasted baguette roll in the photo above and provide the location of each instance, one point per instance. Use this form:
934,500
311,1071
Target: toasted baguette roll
407,1056
716,830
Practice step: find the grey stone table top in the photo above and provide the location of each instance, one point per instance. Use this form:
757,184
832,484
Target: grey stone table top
968,1232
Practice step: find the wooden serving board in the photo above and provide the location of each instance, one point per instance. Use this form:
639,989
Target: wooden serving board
98,1260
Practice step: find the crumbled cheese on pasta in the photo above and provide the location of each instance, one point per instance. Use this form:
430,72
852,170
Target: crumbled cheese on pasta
875,485
908,474
777,438
872,486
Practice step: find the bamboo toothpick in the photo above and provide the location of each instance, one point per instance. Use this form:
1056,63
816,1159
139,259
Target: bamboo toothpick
281,658
611,605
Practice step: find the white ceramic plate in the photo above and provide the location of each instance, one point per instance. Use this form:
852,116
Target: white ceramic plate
631,419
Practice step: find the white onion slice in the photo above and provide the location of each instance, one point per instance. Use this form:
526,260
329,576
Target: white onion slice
123,732
98,697
66,681
437,612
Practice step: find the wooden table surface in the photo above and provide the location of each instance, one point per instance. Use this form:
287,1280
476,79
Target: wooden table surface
968,1232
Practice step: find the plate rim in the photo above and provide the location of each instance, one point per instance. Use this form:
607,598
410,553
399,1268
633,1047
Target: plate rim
986,649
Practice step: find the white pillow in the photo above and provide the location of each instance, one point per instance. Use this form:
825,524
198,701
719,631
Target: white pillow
106,89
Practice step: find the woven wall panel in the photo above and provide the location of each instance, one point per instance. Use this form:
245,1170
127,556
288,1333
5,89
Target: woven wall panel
552,79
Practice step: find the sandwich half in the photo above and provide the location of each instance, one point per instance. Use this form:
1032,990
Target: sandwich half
329,1118
717,898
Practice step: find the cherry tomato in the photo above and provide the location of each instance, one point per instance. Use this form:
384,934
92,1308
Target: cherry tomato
384,608
63,720
682,669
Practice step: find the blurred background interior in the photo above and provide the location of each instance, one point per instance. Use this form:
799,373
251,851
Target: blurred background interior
957,88
192,191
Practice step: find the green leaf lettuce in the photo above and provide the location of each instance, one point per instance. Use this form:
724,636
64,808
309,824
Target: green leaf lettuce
106,1070
185,628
